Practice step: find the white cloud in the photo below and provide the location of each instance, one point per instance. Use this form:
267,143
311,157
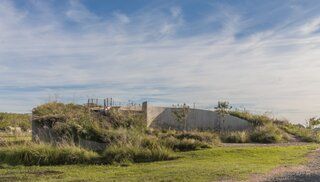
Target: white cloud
79,13
122,18
140,56
311,26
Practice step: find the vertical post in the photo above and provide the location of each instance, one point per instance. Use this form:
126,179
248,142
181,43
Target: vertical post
104,104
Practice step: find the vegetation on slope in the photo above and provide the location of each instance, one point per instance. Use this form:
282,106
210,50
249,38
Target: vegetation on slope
127,140
124,135
15,120
270,130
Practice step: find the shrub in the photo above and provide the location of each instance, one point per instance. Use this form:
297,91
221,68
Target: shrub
66,113
254,119
133,153
206,137
46,155
125,119
304,134
266,134
235,137
184,144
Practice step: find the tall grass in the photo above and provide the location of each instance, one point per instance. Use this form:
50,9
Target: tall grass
184,144
266,134
235,137
254,119
134,153
271,130
41,154
304,134
188,140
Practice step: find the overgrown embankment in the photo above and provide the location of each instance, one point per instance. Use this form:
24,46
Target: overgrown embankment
123,135
270,130
73,131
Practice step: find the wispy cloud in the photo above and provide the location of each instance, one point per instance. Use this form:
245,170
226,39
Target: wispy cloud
160,55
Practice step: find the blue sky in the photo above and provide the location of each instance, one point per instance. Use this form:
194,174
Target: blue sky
260,55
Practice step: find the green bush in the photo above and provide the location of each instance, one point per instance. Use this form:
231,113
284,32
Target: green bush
134,153
125,119
206,137
266,134
184,144
304,134
15,120
254,119
235,137
46,155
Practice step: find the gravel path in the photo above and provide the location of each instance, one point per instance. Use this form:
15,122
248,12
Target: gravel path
309,172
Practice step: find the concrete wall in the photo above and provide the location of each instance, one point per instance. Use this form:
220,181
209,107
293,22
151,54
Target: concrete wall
162,117
130,108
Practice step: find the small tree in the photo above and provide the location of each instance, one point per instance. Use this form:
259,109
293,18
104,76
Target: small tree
222,108
181,113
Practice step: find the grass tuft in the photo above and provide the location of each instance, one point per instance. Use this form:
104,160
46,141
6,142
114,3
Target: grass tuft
41,154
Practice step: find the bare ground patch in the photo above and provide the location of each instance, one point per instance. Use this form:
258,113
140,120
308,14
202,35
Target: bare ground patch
308,172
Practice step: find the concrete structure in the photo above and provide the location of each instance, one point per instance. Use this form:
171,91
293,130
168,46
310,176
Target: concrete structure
197,119
154,116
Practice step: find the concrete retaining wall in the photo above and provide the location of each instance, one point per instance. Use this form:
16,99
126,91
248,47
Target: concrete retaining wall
162,117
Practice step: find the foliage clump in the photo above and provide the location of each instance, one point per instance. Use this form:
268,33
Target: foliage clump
235,137
187,140
266,134
271,130
41,154
15,120
302,133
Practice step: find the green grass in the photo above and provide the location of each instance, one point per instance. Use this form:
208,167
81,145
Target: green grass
202,165
7,139
15,120
42,154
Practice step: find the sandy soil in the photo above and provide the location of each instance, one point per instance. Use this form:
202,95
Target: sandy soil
309,172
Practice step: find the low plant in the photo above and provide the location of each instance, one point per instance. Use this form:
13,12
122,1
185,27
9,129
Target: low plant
41,154
235,137
131,153
266,134
184,144
254,119
304,134
125,119
206,137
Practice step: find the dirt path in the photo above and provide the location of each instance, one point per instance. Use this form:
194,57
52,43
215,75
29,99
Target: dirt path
309,172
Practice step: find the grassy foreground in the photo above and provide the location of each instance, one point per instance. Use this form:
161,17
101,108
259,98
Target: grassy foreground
202,165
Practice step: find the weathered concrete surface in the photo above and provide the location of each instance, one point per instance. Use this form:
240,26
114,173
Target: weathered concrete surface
131,108
162,117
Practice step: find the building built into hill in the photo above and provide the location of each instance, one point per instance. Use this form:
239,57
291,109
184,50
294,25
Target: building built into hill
195,119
